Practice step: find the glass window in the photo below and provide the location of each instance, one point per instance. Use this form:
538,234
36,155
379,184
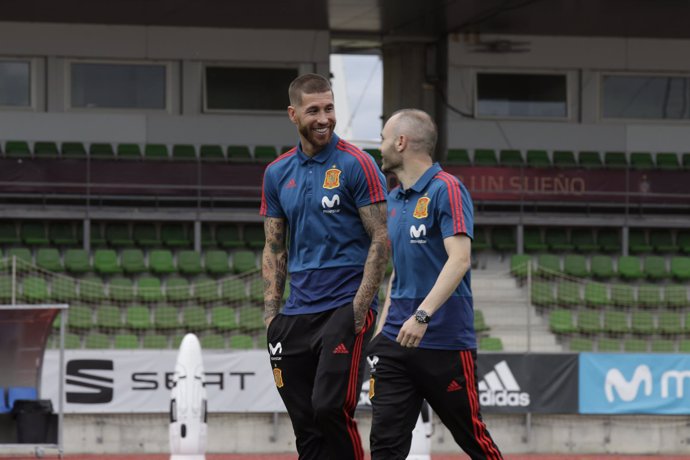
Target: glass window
522,95
15,83
651,97
118,86
231,88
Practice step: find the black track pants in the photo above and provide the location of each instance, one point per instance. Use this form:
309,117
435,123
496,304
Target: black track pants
318,363
403,377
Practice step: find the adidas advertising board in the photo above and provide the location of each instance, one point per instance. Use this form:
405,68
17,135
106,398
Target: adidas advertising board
540,383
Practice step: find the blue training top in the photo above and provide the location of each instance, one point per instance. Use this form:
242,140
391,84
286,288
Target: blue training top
437,206
320,197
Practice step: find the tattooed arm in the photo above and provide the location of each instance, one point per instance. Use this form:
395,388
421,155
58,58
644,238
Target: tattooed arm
374,221
274,267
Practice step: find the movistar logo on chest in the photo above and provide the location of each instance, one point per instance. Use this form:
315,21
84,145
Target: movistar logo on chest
331,205
418,234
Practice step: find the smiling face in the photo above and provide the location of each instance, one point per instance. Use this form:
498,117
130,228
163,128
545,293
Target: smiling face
315,121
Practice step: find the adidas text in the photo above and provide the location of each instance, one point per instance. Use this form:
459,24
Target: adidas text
504,398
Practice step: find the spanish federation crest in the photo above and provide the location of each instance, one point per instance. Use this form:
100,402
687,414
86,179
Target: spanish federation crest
332,179
422,209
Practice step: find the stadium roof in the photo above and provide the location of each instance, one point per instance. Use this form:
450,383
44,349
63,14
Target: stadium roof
366,24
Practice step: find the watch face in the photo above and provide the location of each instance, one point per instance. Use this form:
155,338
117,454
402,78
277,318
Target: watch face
421,316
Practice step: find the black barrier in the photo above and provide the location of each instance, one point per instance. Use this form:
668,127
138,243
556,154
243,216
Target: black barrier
36,422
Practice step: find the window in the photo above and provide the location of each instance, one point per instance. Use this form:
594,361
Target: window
646,97
15,83
522,95
118,86
232,88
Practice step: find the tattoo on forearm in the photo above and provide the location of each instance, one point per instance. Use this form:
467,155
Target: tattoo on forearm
274,266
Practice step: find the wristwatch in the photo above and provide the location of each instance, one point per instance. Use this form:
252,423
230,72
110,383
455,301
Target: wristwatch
422,317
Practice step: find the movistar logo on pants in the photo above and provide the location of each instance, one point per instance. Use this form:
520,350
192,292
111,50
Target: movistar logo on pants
499,388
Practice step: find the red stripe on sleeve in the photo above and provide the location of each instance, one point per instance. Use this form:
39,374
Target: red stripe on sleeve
264,205
455,197
376,192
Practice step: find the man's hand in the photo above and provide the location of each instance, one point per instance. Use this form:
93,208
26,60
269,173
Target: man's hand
411,333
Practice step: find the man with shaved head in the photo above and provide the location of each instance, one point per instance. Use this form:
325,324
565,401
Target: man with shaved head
425,347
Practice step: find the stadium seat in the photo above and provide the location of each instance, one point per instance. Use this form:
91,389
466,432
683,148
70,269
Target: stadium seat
17,149
568,294
156,152
96,235
683,241
46,149
609,240
129,152
533,240
238,153
155,342
63,289
34,233
676,296
590,160
206,290
216,262
80,317
616,322
126,342
208,239
91,289
662,240
254,236
22,255
244,261
663,346
233,290
117,234
561,321
669,323
608,345
194,318
240,342
137,317
602,267
548,264
101,151
615,160
73,150
251,319
165,317
680,268
629,267
184,152
211,153
228,236
684,346
503,239
479,321
583,240
177,289
564,159
189,262
49,259
256,291
72,341
34,289
458,157
212,342
5,288
575,265
538,159
655,268
542,294
4,408
146,235
121,289
175,235
641,160
490,344
266,153
8,233
480,242
511,157
96,340
596,295
668,161
224,318
16,393
105,262
589,322
686,161
161,261
649,296
622,295
557,239
62,234
149,289
485,157
581,344
635,346
637,242
133,261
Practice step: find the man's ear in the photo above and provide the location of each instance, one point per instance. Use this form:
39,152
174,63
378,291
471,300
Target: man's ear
292,112
401,143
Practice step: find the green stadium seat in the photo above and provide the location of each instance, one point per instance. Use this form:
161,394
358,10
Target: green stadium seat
234,290
641,160
680,268
251,319
216,262
589,322
228,236
34,289
145,234
63,289
581,344
610,240
101,151
479,321
256,291
596,295
575,265
662,240
165,317
655,268
649,296
212,342
175,235
23,257
458,157
637,242
184,152
254,236
156,152
117,234
533,240
669,323
608,345
668,161
105,262
62,234
485,157
564,159
635,346
126,342
189,262
663,346
684,346
5,288
561,321
480,241
34,233
622,295
683,241
49,259
538,159
161,261
238,153
224,318
630,267
206,290
676,295
149,289
46,149
17,149
548,264
96,235
241,342
194,318
557,239
615,160
91,289
568,294
542,294
137,317
265,153
108,317
503,239
616,322
73,150
80,317
511,157
590,160
121,289
211,153
602,267
490,344
155,342
133,261
177,289
96,340
129,152
208,239
244,261
8,233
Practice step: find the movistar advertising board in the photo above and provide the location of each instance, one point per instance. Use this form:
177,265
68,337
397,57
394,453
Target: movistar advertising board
634,383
